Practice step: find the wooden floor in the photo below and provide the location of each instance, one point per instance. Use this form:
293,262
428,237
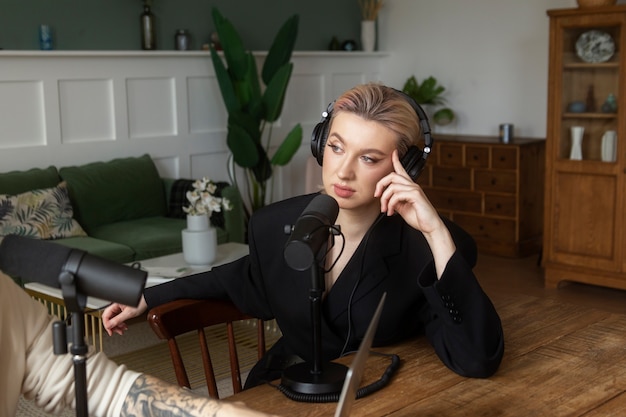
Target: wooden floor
501,277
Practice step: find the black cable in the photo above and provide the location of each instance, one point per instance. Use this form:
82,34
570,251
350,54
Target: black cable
335,231
358,280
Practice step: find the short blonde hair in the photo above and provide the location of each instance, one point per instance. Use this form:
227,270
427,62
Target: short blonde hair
384,105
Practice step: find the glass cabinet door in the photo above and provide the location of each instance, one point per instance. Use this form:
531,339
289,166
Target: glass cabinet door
589,90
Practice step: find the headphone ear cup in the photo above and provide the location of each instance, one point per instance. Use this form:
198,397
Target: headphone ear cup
318,140
413,162
320,134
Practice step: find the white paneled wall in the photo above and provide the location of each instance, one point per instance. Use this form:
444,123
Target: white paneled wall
70,108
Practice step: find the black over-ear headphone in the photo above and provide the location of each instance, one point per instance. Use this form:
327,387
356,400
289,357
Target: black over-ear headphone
413,161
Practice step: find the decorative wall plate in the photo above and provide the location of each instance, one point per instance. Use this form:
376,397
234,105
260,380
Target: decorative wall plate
595,46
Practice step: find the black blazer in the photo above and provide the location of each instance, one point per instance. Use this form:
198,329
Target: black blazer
453,312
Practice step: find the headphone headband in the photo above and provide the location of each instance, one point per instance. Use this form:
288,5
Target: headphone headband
413,161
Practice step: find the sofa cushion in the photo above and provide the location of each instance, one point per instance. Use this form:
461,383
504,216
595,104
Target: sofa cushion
178,198
112,251
40,214
17,182
149,237
118,190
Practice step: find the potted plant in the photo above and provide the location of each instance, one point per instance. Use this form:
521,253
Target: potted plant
251,109
430,94
199,239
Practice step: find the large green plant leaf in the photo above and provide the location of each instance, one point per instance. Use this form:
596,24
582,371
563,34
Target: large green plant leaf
281,49
243,146
234,51
254,105
231,101
274,95
248,123
246,87
289,147
263,169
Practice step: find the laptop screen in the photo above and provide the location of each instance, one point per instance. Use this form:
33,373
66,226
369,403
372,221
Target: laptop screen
357,367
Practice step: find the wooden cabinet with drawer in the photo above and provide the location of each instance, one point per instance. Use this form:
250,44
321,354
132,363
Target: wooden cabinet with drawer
492,190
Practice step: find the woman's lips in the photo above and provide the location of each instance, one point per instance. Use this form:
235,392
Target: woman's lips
343,192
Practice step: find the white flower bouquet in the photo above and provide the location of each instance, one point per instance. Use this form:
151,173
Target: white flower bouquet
203,199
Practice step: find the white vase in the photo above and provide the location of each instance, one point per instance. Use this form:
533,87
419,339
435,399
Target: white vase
609,146
368,35
576,153
199,241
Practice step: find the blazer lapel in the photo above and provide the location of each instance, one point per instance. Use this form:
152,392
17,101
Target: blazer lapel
368,262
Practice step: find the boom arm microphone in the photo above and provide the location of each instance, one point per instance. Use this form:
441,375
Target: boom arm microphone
45,262
311,232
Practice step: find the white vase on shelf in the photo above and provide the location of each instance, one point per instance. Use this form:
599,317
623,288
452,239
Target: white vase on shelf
609,146
368,35
576,153
199,241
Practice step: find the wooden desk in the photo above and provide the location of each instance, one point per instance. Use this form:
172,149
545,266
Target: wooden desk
560,360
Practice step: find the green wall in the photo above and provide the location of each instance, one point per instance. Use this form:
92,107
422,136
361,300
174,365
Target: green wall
114,24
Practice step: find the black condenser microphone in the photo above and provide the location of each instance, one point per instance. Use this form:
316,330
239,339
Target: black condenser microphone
311,231
43,262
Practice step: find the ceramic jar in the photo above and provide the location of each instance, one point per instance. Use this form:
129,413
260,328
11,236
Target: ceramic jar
199,241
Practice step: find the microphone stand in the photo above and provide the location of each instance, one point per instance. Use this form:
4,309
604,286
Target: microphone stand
75,303
316,377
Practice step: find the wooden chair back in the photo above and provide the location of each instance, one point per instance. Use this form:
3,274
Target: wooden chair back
175,318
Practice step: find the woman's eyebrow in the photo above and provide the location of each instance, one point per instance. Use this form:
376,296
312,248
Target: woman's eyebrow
366,150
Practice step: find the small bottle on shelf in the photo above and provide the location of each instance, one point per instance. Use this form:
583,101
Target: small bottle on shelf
148,38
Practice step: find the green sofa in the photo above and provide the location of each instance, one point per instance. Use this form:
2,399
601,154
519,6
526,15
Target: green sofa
123,208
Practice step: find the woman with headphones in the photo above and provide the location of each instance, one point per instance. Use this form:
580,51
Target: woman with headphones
392,241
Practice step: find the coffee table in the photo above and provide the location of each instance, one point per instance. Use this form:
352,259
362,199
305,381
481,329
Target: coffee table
160,269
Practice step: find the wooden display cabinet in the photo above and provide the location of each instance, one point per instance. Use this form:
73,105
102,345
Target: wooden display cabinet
491,189
584,215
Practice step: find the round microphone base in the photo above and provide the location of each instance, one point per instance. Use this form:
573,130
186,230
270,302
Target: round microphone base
300,378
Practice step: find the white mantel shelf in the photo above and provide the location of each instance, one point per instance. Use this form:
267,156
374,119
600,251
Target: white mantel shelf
178,54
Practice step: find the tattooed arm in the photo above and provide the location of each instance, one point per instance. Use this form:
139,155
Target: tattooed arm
48,379
150,396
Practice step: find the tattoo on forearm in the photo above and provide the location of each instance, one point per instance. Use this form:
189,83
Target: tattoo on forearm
149,396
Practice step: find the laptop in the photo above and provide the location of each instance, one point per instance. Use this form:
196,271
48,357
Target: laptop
355,371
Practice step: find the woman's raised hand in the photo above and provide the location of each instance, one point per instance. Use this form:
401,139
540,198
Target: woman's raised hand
400,194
